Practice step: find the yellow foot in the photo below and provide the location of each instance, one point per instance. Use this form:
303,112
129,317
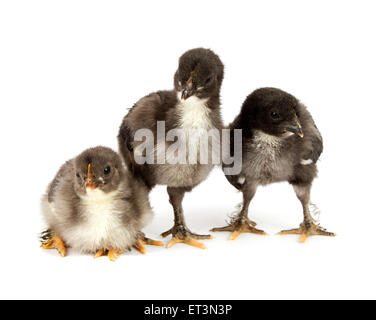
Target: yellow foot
139,246
307,229
189,241
55,242
239,226
181,234
101,253
112,254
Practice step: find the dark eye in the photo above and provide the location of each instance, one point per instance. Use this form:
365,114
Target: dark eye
274,115
208,80
107,170
78,175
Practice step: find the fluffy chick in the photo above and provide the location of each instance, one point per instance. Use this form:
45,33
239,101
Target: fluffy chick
194,104
280,143
95,206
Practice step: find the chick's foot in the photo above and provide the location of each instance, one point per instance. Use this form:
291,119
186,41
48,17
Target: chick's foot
181,234
112,253
139,246
239,226
53,241
306,229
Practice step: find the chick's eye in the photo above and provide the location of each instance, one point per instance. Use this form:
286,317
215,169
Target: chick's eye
107,170
78,175
209,80
274,115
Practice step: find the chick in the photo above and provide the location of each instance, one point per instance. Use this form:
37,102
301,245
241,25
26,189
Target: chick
94,205
280,143
194,104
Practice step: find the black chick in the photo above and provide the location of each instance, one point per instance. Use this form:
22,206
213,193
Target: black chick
94,205
193,104
280,143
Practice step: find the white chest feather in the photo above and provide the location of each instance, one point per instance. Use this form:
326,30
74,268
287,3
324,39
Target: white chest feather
194,113
99,208
265,162
102,226
267,146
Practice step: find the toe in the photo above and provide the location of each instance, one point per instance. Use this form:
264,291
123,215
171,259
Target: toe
227,228
171,243
234,235
151,242
140,247
113,254
195,243
99,253
201,237
291,231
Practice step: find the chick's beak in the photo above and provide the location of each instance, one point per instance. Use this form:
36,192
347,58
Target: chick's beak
188,90
295,127
186,93
90,183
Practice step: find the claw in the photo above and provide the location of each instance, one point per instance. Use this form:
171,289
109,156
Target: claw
235,235
303,238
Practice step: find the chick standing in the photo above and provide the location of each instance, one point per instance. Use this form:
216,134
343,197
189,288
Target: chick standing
95,206
280,143
193,104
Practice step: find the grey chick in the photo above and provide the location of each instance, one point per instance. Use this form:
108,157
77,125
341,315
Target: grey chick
94,205
280,143
194,104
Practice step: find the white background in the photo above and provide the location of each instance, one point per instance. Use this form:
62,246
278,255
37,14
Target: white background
70,69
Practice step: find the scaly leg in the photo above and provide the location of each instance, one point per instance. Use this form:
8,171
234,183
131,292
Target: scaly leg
180,233
241,224
308,227
51,240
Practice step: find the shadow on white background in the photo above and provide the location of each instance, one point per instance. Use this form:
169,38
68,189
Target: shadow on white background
70,70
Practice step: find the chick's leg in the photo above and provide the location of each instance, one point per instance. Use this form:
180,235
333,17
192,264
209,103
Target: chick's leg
308,227
51,240
142,240
180,233
240,223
